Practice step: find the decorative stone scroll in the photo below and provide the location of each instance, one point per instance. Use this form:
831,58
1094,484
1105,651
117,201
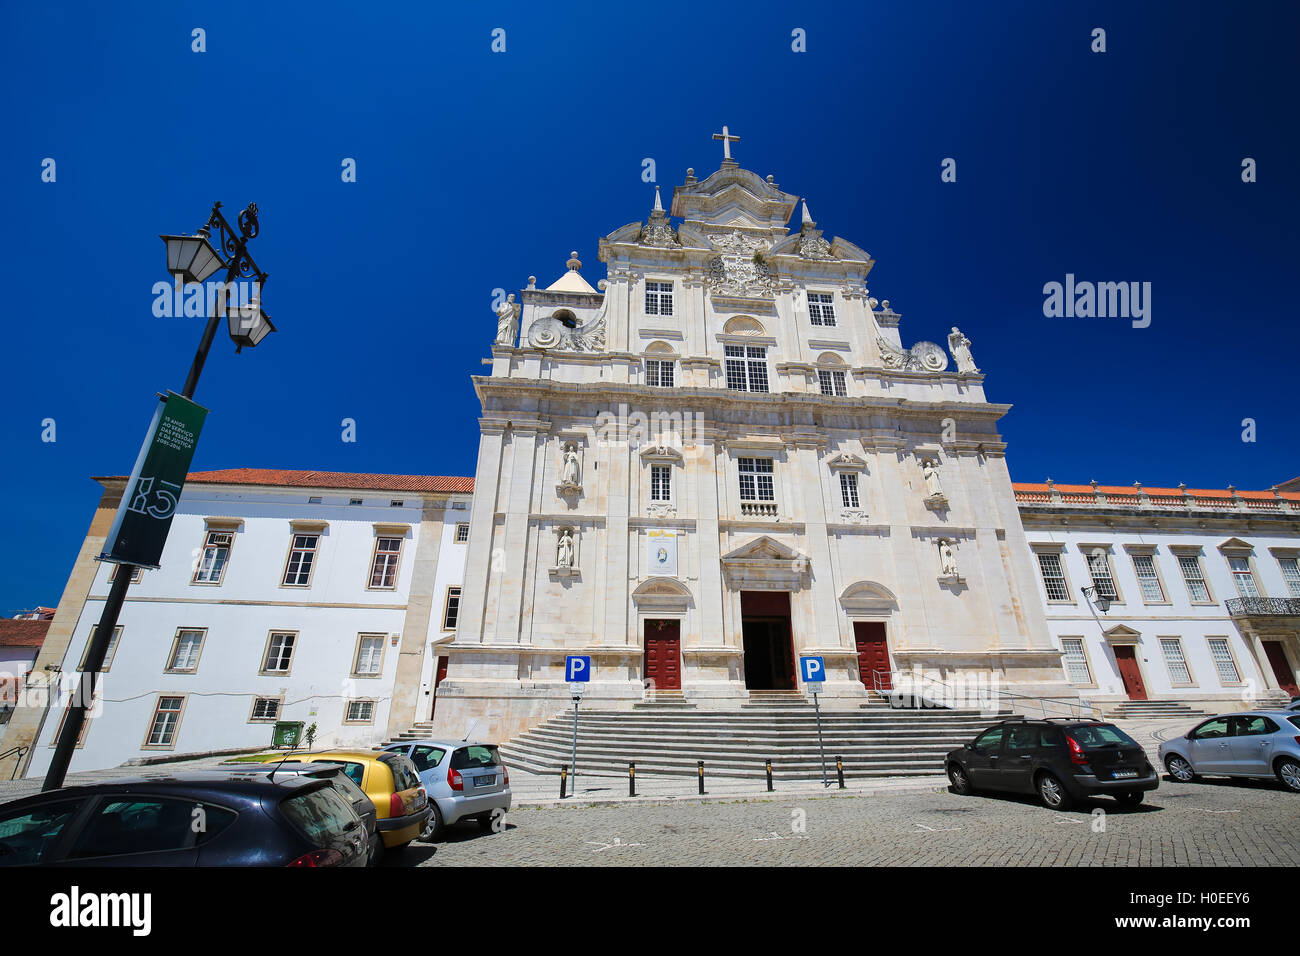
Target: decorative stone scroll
921,357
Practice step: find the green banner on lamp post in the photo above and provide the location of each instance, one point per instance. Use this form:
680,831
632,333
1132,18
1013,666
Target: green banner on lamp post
145,515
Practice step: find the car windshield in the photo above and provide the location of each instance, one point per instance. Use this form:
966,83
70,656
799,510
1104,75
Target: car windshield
1101,735
472,758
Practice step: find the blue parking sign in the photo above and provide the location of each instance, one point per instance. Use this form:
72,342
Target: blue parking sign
577,669
813,668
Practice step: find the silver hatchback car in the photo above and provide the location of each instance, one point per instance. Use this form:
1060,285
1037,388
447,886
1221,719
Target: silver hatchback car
464,781
1263,743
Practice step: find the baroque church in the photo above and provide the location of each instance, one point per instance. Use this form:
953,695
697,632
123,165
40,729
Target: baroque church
724,458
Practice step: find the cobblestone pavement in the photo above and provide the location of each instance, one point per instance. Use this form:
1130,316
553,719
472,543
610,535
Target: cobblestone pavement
1221,823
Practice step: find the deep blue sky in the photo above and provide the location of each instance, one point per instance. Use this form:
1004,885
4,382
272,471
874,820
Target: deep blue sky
477,169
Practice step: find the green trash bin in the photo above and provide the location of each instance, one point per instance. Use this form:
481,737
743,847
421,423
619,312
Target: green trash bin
287,733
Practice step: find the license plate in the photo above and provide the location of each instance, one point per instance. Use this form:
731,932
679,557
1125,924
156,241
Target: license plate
1124,774
486,781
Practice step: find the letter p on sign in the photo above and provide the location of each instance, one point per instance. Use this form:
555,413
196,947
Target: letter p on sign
814,669
577,669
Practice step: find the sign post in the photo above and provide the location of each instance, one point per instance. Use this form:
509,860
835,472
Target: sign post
577,672
814,678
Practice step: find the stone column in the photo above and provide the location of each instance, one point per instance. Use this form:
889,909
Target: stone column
517,505
477,582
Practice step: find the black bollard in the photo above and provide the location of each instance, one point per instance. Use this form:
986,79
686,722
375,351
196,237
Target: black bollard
700,768
769,774
631,780
564,780
839,770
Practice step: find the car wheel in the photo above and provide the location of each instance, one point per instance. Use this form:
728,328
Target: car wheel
1288,771
433,829
488,820
1130,799
1052,792
960,780
1179,769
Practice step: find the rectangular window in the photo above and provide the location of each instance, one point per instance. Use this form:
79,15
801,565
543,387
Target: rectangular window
1144,565
658,298
659,373
136,574
1172,648
383,572
370,655
360,711
1291,574
212,563
1190,565
279,652
302,555
832,382
108,655
756,479
1223,662
451,612
266,708
849,489
1099,569
166,718
462,532
1049,563
661,483
1076,661
820,310
746,368
185,650
1242,576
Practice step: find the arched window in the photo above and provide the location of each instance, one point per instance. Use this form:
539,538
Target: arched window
660,365
831,374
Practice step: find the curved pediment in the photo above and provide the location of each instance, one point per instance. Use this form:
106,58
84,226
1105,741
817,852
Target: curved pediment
662,594
763,548
868,596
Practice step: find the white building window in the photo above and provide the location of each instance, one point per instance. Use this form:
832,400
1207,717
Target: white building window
212,563
360,712
370,655
849,489
659,373
1076,660
756,479
166,721
1223,662
279,652
658,298
1242,577
108,655
661,483
1102,579
1144,566
747,368
462,532
136,574
832,381
1193,576
1172,648
820,310
265,708
185,650
383,569
1049,563
451,609
302,557
1291,574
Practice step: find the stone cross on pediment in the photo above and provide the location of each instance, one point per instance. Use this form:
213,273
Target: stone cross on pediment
727,140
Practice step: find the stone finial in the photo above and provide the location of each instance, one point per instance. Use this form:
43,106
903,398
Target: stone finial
659,206
574,262
1048,482
602,285
771,180
532,282
807,216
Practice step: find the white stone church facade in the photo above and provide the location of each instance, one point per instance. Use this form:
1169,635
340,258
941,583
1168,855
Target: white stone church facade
723,458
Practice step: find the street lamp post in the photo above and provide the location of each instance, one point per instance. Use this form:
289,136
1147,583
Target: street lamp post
189,259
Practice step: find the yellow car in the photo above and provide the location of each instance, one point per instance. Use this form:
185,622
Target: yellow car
392,784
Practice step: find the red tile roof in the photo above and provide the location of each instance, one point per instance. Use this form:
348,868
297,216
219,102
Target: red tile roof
22,633
351,481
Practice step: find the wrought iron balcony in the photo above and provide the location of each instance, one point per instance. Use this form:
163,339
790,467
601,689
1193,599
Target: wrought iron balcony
1262,606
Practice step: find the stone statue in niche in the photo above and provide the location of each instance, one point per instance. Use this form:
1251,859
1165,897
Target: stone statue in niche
570,471
931,475
947,559
564,552
959,346
507,321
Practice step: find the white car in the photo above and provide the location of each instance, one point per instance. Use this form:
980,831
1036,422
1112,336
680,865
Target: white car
464,781
1263,743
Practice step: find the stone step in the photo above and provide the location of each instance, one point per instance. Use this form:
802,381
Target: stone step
785,770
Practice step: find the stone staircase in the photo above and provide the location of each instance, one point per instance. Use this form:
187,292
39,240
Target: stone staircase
874,741
1152,710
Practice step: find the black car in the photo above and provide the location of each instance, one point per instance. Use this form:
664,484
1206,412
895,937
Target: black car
185,820
1063,761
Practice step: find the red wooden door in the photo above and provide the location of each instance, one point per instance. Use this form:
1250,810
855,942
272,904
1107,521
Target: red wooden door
1281,667
440,674
1130,673
663,654
873,654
